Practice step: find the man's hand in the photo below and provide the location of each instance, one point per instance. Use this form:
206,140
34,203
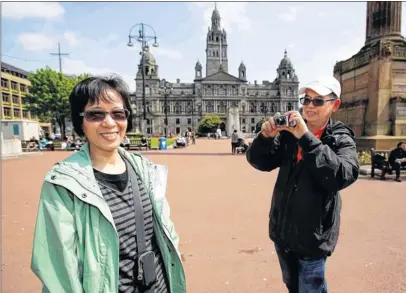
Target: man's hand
269,128
300,129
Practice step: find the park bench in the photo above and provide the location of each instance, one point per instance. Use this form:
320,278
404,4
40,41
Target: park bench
379,160
135,143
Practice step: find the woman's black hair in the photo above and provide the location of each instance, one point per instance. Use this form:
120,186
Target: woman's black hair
92,90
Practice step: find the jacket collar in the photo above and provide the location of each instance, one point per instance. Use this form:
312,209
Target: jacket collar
79,167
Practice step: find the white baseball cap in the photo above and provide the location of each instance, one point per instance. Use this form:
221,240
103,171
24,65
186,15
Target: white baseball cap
323,86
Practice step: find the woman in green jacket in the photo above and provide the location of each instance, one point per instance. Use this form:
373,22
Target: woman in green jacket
103,220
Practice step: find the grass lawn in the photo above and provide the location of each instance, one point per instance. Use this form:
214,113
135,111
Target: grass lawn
155,142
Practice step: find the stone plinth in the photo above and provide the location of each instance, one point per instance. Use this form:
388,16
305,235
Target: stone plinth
379,142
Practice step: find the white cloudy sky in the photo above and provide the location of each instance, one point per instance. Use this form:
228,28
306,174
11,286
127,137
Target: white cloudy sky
316,35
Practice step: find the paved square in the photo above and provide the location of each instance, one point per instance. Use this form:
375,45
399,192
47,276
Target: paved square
220,207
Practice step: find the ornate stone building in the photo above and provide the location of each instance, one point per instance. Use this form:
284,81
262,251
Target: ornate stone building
373,81
239,104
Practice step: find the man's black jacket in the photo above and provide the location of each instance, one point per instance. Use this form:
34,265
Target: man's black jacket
306,204
397,153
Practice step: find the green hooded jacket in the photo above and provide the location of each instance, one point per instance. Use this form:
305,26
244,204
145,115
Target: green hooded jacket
76,246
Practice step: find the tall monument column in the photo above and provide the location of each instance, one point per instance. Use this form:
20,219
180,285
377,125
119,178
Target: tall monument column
383,21
373,93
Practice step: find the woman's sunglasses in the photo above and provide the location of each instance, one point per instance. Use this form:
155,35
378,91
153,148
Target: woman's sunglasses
317,102
99,115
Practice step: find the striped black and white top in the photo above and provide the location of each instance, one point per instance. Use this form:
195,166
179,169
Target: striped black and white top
118,193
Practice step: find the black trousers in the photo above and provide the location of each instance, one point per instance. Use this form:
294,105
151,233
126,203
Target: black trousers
396,166
234,147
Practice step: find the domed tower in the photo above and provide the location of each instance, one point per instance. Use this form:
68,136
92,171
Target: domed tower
285,69
198,70
216,45
287,79
151,67
242,72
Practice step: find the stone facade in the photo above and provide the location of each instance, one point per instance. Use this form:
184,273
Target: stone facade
219,92
373,81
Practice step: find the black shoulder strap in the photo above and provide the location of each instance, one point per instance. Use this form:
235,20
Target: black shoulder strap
139,211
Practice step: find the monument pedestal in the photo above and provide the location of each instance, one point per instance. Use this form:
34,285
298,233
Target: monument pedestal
233,120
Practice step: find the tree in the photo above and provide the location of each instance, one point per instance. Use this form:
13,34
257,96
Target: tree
259,124
209,123
48,97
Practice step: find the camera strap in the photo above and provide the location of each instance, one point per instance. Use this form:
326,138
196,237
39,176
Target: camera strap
138,209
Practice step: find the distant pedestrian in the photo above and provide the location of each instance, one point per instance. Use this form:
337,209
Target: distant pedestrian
234,142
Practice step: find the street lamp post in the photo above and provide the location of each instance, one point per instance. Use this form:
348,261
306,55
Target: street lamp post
143,39
167,91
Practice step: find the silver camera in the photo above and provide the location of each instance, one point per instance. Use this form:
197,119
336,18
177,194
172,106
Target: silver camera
283,120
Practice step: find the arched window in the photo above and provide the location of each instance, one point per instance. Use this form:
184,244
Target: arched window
253,108
188,108
209,91
221,108
209,107
221,91
178,108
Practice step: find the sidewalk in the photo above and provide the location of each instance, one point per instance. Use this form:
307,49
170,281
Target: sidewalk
23,154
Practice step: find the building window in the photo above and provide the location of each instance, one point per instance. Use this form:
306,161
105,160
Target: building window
7,112
188,108
165,121
6,98
177,121
13,85
16,100
147,90
149,130
148,122
177,130
263,108
22,88
178,108
243,108
16,113
253,108
25,113
289,107
4,82
243,120
209,108
252,128
209,91
221,91
168,110
221,108
252,120
189,121
273,108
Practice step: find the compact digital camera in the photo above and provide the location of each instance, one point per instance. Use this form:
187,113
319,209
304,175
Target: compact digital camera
283,120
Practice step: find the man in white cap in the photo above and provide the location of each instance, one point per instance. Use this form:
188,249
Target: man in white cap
317,158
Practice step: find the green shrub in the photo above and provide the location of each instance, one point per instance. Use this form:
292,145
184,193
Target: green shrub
364,158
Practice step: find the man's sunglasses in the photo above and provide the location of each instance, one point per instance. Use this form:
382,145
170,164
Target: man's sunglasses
99,115
317,102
